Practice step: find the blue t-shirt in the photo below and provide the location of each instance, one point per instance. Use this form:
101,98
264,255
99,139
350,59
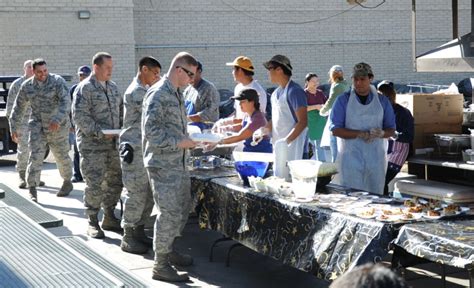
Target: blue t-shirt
296,97
405,124
338,113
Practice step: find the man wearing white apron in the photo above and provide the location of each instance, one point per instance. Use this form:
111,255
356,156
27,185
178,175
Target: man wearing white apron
362,119
289,105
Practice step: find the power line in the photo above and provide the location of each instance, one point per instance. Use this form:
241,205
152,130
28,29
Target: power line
369,7
288,22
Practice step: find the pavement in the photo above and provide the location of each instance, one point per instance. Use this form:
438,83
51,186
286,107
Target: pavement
247,268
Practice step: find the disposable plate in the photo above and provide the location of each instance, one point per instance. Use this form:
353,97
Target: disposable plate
358,193
303,200
205,137
416,216
361,212
382,200
111,131
389,218
431,217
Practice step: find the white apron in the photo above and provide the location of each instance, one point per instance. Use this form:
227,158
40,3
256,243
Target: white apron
326,137
362,165
282,123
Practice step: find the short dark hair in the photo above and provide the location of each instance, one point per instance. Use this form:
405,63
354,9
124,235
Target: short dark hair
199,66
387,90
149,62
246,72
370,275
286,71
38,62
99,58
309,76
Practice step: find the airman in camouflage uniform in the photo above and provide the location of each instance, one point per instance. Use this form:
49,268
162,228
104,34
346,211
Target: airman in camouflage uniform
96,106
139,198
165,141
22,147
50,104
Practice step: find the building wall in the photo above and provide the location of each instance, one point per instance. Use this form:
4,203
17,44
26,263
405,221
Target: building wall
216,31
51,29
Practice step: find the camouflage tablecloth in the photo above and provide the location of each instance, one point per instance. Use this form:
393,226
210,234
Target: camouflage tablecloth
446,242
302,235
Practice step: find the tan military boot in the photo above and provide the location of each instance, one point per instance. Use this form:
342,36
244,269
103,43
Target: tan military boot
162,270
33,194
65,189
139,233
94,230
22,180
131,244
109,222
179,259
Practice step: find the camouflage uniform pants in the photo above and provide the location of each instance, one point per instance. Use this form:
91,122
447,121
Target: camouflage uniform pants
58,144
172,195
22,149
139,198
103,177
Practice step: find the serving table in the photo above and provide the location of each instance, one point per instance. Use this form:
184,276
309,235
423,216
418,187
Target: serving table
446,242
303,235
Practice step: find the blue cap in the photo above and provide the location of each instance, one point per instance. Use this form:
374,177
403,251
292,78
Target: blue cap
84,70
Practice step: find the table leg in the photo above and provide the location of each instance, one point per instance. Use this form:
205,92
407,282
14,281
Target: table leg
443,275
227,261
211,253
470,270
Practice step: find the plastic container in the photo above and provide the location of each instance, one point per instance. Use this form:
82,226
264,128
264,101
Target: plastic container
280,151
250,168
304,176
472,138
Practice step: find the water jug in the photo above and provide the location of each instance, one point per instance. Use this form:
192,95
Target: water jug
280,152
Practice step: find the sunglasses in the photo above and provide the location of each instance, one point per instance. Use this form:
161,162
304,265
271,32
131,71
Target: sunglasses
190,74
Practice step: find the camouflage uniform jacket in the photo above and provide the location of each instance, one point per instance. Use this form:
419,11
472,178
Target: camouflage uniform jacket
132,117
205,98
164,125
48,101
94,109
12,92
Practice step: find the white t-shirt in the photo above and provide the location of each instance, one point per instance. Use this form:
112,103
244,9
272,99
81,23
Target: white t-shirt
262,97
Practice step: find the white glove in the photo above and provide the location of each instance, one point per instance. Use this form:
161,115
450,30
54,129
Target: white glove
364,135
215,127
258,135
376,133
208,147
221,123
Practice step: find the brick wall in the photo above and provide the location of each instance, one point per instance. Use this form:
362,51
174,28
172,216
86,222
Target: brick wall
216,33
51,29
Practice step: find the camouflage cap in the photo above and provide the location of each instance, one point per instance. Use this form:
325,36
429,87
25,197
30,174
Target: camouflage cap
362,69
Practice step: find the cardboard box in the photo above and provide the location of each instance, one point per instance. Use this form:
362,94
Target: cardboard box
434,108
424,138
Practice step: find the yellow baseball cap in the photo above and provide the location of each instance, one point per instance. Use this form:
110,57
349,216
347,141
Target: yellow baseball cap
242,62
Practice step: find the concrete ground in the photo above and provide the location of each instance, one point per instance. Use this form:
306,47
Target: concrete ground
247,268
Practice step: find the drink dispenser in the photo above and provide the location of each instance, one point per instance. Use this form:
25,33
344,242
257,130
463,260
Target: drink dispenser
280,152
